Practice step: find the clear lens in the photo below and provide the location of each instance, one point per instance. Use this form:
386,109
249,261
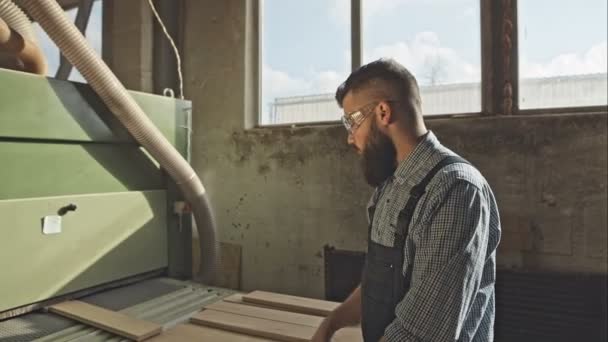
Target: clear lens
347,124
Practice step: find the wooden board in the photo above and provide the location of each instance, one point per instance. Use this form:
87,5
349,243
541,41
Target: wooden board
254,326
111,321
237,298
265,313
234,304
191,332
291,303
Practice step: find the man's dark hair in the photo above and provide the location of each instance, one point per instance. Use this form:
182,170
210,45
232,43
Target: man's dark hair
399,80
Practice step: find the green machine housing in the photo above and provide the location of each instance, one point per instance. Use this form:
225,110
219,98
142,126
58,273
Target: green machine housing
60,145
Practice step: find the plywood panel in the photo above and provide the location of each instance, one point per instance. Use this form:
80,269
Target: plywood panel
108,237
291,303
114,322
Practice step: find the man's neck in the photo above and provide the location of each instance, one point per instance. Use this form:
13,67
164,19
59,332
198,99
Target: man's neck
406,145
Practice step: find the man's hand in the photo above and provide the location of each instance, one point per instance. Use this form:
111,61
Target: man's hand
347,314
324,332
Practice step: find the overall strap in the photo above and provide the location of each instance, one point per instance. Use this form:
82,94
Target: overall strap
416,193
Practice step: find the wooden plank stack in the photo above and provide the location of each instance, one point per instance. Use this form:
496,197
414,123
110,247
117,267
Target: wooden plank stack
253,317
272,316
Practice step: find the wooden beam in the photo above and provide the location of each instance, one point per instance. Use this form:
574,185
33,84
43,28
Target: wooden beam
266,313
488,75
350,334
500,75
356,36
266,328
255,326
291,303
111,321
237,298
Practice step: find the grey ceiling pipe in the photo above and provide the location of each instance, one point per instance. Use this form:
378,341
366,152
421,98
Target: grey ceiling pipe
75,48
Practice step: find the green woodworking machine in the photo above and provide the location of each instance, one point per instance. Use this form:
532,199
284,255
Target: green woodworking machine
86,213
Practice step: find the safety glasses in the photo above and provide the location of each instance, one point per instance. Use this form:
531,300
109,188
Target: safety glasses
353,120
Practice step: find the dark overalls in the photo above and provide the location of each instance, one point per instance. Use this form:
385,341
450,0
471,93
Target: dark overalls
383,285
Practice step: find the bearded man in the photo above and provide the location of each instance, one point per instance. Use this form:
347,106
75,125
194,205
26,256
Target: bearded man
433,221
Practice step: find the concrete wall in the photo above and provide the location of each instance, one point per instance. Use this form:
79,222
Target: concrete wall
284,193
127,42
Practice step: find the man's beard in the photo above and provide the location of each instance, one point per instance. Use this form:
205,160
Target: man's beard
379,159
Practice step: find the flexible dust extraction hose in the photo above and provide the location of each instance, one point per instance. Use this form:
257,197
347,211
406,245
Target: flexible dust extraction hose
73,45
17,20
18,39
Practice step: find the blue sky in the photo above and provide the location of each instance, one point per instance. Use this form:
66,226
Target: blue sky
315,34
306,44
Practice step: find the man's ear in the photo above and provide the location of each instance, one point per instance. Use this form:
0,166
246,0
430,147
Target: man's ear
385,113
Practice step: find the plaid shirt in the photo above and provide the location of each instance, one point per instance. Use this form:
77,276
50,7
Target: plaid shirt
450,249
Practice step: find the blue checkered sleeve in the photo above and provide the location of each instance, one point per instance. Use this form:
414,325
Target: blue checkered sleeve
448,269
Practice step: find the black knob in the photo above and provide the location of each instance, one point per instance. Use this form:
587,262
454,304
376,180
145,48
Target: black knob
66,209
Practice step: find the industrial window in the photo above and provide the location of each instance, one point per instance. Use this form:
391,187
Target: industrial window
92,34
562,58
306,53
438,41
305,50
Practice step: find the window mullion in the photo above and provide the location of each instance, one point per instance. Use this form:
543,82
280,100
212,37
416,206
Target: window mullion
499,57
356,34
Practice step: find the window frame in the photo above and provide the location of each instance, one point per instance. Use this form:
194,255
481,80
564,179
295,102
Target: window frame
515,72
499,65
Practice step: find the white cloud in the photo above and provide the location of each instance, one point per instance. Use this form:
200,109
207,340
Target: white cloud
592,61
277,83
428,60
423,56
327,81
